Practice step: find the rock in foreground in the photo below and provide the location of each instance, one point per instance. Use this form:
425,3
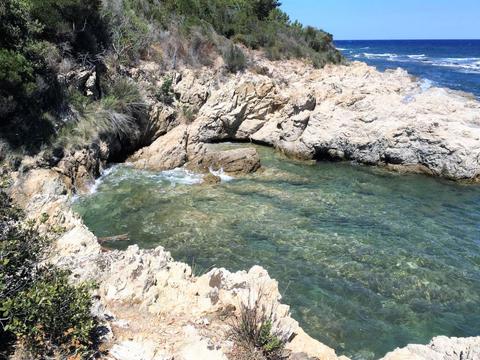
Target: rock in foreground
234,161
440,348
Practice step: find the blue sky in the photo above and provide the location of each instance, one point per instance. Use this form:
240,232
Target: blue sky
389,19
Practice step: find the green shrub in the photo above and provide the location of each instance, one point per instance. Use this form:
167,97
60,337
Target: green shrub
51,315
16,26
165,92
262,8
16,73
189,114
130,34
253,335
39,308
234,59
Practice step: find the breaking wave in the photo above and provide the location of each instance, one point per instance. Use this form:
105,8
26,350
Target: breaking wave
470,64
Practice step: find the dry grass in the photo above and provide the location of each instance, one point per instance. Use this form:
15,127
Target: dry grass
116,115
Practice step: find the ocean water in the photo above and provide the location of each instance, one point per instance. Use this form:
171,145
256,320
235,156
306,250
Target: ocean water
447,63
368,260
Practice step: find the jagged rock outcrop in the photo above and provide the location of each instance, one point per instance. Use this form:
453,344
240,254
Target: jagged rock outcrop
440,348
348,112
169,299
167,152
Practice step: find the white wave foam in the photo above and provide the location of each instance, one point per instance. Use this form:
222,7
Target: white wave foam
179,176
469,65
105,172
386,55
417,57
466,65
395,57
221,174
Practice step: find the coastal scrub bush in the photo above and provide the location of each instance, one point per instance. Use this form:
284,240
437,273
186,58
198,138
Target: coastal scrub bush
51,316
130,32
40,310
253,335
234,59
115,115
34,34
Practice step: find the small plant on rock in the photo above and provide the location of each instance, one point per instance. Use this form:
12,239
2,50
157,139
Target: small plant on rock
165,93
253,333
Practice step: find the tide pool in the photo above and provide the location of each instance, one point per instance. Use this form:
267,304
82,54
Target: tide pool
368,260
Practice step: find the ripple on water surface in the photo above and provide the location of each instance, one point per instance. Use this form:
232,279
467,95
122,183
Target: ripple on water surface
369,260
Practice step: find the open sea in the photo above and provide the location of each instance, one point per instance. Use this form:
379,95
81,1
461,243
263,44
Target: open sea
453,64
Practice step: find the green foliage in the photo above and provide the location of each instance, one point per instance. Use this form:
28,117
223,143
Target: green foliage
267,341
130,33
34,36
189,114
235,59
16,72
51,314
77,22
165,92
39,308
262,8
21,249
16,25
255,23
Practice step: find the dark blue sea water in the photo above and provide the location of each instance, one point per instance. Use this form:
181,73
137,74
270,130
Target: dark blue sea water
447,63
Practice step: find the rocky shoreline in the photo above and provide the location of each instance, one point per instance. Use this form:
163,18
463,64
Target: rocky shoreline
349,112
155,307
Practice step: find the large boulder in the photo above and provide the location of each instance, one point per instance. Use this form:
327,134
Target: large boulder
234,161
167,152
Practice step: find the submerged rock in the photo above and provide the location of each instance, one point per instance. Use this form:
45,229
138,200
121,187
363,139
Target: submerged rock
211,179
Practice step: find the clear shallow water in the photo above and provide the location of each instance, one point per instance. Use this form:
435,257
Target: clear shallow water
447,63
369,260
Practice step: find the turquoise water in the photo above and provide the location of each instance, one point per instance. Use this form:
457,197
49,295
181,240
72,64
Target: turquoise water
369,260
